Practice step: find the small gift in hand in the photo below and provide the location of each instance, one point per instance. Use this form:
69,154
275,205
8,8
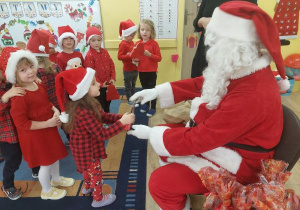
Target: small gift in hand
112,93
138,51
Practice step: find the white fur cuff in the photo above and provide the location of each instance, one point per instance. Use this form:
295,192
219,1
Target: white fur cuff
165,95
157,141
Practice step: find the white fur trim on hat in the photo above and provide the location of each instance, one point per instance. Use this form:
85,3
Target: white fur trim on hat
129,31
92,37
231,26
66,35
157,141
64,117
165,95
83,87
13,60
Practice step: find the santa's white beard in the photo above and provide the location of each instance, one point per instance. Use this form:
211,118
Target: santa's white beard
226,59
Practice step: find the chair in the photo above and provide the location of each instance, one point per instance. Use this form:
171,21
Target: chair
288,148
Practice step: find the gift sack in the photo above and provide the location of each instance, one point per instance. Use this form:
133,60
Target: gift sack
112,93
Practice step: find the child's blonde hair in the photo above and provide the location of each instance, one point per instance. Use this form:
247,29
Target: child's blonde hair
151,26
22,62
48,65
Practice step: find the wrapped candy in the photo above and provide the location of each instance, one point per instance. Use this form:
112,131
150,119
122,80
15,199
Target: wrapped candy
226,193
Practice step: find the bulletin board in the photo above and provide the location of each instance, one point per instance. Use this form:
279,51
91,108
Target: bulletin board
19,18
164,14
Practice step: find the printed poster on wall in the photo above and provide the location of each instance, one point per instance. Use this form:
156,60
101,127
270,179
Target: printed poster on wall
18,19
164,14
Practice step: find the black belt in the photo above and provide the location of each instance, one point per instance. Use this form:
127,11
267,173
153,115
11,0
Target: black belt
258,149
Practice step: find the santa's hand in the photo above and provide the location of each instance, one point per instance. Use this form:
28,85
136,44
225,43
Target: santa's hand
145,96
140,131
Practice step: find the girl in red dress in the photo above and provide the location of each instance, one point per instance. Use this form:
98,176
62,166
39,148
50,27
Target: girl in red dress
36,119
83,120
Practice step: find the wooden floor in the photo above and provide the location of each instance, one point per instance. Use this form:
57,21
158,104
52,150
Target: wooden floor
292,101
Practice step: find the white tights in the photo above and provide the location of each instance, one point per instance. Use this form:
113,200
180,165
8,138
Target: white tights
44,175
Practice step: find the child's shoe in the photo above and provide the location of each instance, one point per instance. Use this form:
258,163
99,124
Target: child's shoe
151,112
34,175
12,193
53,194
106,200
144,108
63,182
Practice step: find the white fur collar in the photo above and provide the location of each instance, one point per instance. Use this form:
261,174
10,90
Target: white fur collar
261,63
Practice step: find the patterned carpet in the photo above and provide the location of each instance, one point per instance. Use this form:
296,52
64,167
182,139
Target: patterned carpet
124,173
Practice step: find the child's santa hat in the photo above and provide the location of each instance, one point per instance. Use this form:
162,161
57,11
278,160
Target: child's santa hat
4,56
126,28
65,32
38,43
52,42
91,32
76,83
244,21
71,65
10,57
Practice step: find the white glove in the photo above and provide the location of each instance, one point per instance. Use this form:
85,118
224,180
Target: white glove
145,96
140,131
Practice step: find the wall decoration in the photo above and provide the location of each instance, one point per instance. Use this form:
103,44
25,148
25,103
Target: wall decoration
16,9
44,9
7,39
29,9
286,18
4,10
49,15
164,15
56,9
26,34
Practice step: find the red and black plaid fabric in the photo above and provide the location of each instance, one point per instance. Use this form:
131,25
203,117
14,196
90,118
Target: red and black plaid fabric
49,82
88,136
8,132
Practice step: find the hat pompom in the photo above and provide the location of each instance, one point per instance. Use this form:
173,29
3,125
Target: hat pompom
64,117
42,48
120,37
284,84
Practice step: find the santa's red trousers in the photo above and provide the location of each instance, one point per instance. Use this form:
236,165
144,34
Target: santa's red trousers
170,184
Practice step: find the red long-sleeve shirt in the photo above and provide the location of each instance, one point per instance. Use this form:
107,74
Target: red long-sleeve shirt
123,55
102,63
150,64
63,58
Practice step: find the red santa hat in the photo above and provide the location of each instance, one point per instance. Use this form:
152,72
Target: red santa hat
91,32
65,32
126,28
38,43
51,41
244,21
10,57
4,56
76,83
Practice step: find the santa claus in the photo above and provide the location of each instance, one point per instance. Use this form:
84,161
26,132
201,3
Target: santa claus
236,113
